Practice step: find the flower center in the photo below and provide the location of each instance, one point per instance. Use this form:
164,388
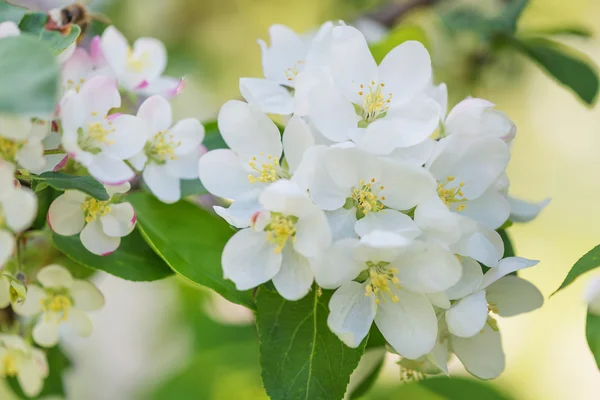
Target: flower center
268,171
375,103
365,200
8,149
162,148
71,84
94,208
138,63
379,280
96,134
8,367
292,72
58,303
491,321
281,229
452,195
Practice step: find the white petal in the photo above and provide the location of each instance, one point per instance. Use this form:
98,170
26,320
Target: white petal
313,235
415,155
297,138
164,86
332,114
410,325
45,332
86,296
439,299
512,295
482,354
287,198
387,220
342,222
186,166
189,134
287,51
110,169
249,260
505,267
433,217
19,209
267,96
156,54
120,222
406,70
31,156
156,113
348,166
96,241
428,269
383,246
223,175
129,136
351,313
32,304
7,246
524,211
98,96
115,48
324,190
294,279
79,322
9,28
491,209
163,184
467,317
479,242
477,117
405,185
30,377
470,281
338,265
239,212
65,216
247,131
55,276
439,93
439,355
351,62
15,127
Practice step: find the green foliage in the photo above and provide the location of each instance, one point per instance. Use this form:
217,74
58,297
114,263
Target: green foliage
133,260
58,363
213,139
566,65
397,36
592,333
580,31
471,19
28,76
192,187
33,23
586,263
190,240
62,181
300,357
8,12
462,389
369,381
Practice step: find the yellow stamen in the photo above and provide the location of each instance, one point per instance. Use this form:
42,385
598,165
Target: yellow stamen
280,230
364,198
269,171
138,63
8,149
8,366
95,208
162,147
292,72
381,280
375,102
99,132
452,195
58,303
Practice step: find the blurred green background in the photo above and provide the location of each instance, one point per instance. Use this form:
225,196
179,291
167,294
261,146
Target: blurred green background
166,340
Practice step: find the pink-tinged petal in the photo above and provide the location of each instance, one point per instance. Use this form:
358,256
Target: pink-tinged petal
156,112
120,221
61,164
110,170
142,85
76,69
188,133
96,241
154,52
99,95
115,49
128,137
165,86
163,184
114,116
65,216
96,49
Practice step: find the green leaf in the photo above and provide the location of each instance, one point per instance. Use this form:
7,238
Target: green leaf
509,250
58,363
190,240
397,36
192,187
8,12
568,66
28,76
462,389
580,31
300,357
213,139
62,181
133,260
586,263
592,333
33,23
376,359
510,15
45,198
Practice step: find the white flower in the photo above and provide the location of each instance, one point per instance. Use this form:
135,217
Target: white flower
21,141
60,299
18,207
21,360
82,66
525,211
380,108
592,296
468,329
362,192
398,273
253,159
99,141
171,152
283,64
139,69
102,224
283,238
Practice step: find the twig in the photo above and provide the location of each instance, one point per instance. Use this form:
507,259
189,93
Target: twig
391,13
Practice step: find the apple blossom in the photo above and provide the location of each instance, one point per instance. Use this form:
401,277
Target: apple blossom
285,235
101,224
60,299
21,141
171,152
99,141
21,360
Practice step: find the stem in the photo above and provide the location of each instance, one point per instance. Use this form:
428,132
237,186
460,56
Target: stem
23,177
54,151
389,14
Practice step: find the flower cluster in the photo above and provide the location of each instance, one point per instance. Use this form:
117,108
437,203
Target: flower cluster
375,191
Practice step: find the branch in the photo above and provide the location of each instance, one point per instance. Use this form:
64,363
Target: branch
390,13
